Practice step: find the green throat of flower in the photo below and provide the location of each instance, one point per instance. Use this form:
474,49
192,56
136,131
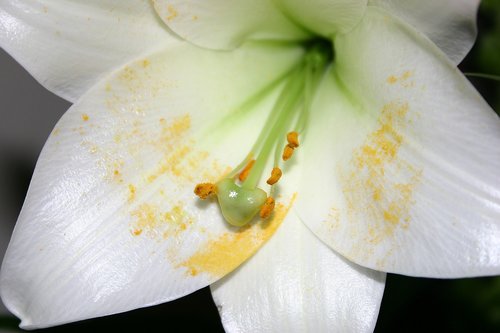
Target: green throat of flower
238,194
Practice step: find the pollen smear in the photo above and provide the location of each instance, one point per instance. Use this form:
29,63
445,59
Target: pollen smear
204,190
246,171
275,176
267,208
293,139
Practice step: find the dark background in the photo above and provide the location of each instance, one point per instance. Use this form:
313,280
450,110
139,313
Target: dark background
29,112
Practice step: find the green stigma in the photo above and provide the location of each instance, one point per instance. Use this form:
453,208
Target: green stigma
239,205
239,197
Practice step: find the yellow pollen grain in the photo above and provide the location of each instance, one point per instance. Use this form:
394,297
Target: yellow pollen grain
392,79
85,117
220,256
137,232
287,152
131,192
276,174
204,190
391,217
406,75
145,63
293,139
172,12
246,171
267,208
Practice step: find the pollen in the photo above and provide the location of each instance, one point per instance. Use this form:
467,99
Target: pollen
267,208
275,176
204,190
293,139
287,152
246,171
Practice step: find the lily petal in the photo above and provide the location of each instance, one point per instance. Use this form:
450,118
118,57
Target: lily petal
409,179
221,24
68,46
110,222
450,24
295,283
325,17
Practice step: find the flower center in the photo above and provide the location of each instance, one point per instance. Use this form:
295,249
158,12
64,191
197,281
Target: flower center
238,195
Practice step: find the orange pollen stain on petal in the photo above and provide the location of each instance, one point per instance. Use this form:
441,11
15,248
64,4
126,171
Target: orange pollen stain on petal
222,255
287,152
204,190
276,174
246,171
131,192
293,139
145,216
392,79
172,13
267,208
380,185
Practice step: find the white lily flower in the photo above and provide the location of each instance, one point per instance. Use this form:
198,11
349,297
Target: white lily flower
396,171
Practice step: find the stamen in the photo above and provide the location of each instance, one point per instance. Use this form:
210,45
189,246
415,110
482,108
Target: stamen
287,152
275,176
239,197
267,208
244,174
204,190
293,139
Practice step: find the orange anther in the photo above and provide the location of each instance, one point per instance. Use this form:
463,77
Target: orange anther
267,208
287,152
275,176
293,139
204,190
246,171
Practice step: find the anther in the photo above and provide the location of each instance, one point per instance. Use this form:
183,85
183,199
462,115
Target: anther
293,139
267,208
275,176
204,190
246,171
287,152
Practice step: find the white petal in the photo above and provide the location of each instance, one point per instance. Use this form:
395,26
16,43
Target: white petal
450,24
69,45
325,17
409,177
295,283
221,24
110,222
226,24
